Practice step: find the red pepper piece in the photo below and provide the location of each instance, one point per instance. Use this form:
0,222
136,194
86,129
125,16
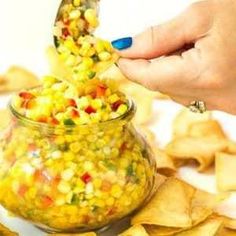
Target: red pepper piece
90,110
47,201
26,95
93,94
112,211
86,178
42,176
74,113
43,119
32,147
22,190
54,121
115,105
28,104
101,90
65,32
72,103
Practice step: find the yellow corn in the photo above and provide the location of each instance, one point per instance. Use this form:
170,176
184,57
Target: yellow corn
91,17
104,56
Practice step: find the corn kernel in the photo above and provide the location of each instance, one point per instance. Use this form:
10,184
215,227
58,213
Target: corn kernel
56,154
64,187
110,201
75,14
75,147
122,109
113,98
69,198
97,183
77,3
91,17
88,165
67,174
116,191
104,56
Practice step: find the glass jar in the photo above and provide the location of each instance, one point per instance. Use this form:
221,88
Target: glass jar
74,178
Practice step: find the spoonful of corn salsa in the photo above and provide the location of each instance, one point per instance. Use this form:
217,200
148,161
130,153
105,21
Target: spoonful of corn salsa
85,54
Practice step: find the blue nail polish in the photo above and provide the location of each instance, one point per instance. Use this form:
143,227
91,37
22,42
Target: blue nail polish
122,43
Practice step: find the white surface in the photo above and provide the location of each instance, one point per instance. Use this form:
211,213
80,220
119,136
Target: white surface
26,32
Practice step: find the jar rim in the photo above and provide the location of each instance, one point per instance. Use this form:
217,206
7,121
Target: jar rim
128,115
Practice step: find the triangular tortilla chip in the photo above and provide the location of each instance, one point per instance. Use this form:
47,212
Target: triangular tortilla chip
202,150
170,206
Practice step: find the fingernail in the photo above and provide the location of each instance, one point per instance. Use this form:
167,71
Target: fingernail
122,43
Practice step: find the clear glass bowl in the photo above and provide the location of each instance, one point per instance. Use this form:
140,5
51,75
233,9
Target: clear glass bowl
74,178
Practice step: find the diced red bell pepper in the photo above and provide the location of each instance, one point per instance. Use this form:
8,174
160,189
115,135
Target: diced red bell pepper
93,94
101,90
47,201
22,190
28,104
115,105
53,121
43,119
90,110
86,178
112,211
72,103
65,32
74,113
26,95
32,147
42,176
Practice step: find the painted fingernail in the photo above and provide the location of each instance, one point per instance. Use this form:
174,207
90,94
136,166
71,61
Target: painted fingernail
122,43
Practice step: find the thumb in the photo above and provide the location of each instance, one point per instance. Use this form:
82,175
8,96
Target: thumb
168,37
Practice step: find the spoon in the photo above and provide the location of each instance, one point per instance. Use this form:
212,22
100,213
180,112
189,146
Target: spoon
83,6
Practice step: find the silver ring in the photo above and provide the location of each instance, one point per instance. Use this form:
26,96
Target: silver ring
197,106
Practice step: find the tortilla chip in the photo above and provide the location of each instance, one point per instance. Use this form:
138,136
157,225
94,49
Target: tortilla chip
5,118
229,222
208,228
226,232
206,128
136,230
82,234
4,231
200,149
154,230
164,163
185,119
202,206
168,209
143,99
17,78
57,66
225,166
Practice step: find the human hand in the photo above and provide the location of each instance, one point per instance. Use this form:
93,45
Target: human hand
195,56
